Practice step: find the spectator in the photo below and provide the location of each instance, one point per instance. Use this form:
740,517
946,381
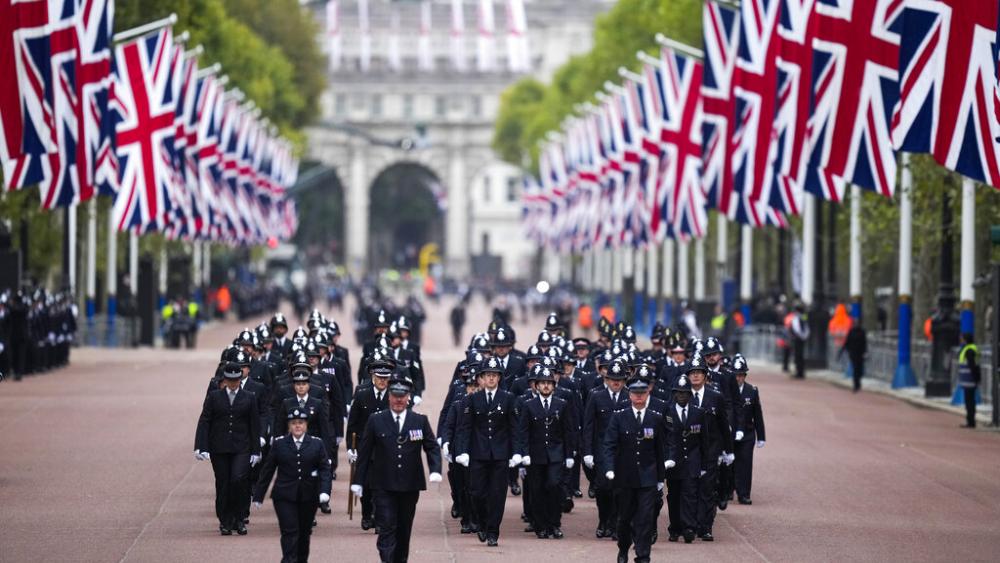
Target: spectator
856,346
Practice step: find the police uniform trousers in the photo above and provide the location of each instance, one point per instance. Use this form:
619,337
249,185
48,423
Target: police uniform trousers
252,478
488,488
456,482
682,505
727,479
545,484
607,510
367,505
394,516
743,466
708,494
232,486
295,522
636,519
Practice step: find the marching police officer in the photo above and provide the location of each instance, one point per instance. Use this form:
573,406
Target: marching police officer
749,411
686,460
485,444
389,459
229,435
601,406
634,458
369,399
719,445
303,466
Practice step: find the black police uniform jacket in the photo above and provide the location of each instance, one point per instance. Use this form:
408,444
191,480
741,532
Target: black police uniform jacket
303,473
229,429
597,415
319,419
456,391
635,453
448,424
686,442
548,437
749,412
487,433
720,438
364,404
391,460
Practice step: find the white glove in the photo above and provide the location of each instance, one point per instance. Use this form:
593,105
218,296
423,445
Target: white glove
434,478
760,443
262,442
702,474
522,472
323,497
357,490
444,448
348,409
739,435
515,461
669,463
202,456
254,460
417,400
462,459
257,505
338,440
659,486
588,460
352,455
610,475
722,457
526,460
570,462
729,459
440,441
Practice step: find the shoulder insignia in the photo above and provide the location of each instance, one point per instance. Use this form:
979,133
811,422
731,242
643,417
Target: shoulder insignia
656,412
279,438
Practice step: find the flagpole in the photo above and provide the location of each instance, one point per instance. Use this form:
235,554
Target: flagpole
904,376
653,282
206,270
808,249
683,278
163,276
133,264
91,292
721,253
196,270
699,270
112,276
855,255
69,240
967,273
145,28
746,270
667,283
677,45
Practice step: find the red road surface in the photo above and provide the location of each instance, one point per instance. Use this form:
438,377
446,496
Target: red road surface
96,465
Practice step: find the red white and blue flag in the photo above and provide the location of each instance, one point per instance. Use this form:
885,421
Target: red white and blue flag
948,85
720,39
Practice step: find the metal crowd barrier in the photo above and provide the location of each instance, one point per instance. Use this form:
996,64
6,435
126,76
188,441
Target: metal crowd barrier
124,334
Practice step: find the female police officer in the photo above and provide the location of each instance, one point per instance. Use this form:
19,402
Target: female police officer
303,482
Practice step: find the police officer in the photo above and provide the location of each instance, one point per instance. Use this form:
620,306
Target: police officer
458,475
601,406
686,460
303,482
485,444
369,399
748,410
228,434
389,459
547,435
634,454
719,445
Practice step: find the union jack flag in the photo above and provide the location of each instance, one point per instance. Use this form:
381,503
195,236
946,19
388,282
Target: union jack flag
948,86
25,110
754,78
854,89
720,38
145,106
206,148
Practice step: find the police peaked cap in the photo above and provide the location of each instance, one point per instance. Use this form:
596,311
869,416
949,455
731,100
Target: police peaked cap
301,373
638,386
232,370
298,413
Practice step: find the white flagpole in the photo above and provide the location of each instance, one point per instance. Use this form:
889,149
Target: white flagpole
458,36
967,273
721,252
133,262
71,228
699,269
904,376
486,44
667,285
366,37
808,249
746,267
145,28
683,278
112,271
91,262
855,253
336,47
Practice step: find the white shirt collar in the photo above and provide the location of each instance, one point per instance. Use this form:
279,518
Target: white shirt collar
301,398
639,412
402,417
680,409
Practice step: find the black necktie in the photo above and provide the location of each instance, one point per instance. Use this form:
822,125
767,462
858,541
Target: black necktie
399,425
697,400
489,400
546,405
638,417
298,444
684,415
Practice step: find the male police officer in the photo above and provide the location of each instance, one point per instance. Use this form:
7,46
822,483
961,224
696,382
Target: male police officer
303,483
389,459
749,411
686,461
485,444
601,406
719,445
634,457
369,399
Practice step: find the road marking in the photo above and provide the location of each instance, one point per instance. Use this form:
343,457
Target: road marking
158,512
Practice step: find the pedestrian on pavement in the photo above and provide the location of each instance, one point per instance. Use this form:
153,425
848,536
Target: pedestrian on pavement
751,416
229,434
969,377
634,458
303,483
856,347
457,320
799,332
389,459
485,444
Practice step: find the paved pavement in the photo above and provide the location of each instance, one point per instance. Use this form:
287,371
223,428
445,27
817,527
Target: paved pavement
96,465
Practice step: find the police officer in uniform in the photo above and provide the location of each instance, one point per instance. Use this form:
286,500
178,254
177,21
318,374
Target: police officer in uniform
228,434
719,444
634,458
686,462
369,399
303,466
389,459
601,406
749,412
485,444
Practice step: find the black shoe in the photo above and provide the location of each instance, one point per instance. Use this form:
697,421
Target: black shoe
688,537
707,536
529,529
325,508
672,537
567,505
515,489
367,524
241,529
623,556
466,529
454,511
591,492
967,425
225,531
556,533
723,503
745,500
542,534
524,518
492,542
482,535
577,493
246,520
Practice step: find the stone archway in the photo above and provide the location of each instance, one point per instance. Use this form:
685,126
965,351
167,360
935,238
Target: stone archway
407,209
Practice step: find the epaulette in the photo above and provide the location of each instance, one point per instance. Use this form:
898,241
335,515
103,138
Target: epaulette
654,411
279,437
623,410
